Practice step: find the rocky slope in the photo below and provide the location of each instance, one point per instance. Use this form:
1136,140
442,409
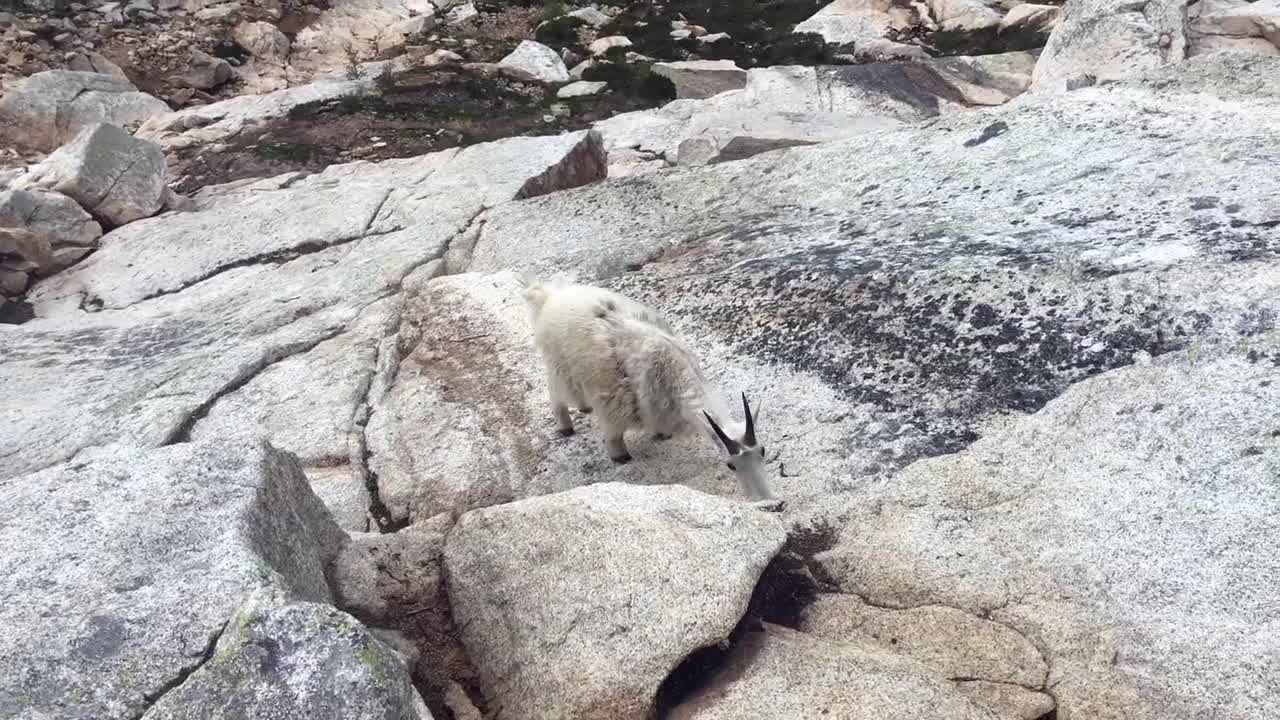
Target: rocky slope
276,442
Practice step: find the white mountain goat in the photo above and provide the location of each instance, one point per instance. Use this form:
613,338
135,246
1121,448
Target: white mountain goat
611,355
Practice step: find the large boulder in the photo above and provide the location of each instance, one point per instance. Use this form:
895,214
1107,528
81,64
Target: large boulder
70,231
1111,39
264,69
535,61
123,568
578,605
115,176
303,661
50,108
860,22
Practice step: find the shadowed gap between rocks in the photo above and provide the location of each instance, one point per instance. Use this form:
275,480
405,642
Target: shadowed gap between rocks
788,585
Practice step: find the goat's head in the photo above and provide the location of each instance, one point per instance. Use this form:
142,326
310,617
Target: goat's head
746,453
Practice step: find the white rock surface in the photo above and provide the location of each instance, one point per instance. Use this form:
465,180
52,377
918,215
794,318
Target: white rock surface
582,88
966,16
155,551
350,32
602,45
850,21
535,61
1214,25
588,623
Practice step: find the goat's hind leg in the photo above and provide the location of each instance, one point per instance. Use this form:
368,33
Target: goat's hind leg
614,442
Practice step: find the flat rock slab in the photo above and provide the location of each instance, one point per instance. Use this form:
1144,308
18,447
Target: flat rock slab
821,104
303,661
275,220
122,568
579,604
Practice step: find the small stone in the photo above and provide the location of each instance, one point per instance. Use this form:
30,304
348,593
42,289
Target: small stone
714,38
591,16
680,34
581,88
461,13
605,44
536,62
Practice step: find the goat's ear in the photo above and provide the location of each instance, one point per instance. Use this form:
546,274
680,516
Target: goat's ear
729,443
748,437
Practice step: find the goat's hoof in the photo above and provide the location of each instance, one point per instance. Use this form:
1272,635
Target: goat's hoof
770,505
565,432
621,459
660,437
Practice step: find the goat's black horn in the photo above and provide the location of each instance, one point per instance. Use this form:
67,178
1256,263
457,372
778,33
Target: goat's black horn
729,443
748,438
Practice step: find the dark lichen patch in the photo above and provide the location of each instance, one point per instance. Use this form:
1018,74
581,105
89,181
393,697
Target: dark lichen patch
936,329
990,132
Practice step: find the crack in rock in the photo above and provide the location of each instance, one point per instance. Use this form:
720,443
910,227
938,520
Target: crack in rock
151,698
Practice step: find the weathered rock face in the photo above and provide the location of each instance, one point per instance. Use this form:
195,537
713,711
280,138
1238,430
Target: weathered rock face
50,108
1100,529
304,660
1239,25
697,79
396,581
941,311
353,31
1109,39
155,551
245,288
116,177
776,671
587,624
855,21
536,61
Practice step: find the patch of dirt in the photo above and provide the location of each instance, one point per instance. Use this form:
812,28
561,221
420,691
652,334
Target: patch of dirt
437,110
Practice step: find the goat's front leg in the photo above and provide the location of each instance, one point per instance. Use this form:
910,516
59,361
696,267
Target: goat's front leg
615,443
564,421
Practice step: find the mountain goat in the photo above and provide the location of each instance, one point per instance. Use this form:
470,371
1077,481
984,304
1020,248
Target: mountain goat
608,354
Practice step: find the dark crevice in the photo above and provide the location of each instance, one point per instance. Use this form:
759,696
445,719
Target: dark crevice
788,585
277,257
151,698
15,312
182,433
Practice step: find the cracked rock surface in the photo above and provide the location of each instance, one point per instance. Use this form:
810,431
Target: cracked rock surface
303,660
587,624
156,550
